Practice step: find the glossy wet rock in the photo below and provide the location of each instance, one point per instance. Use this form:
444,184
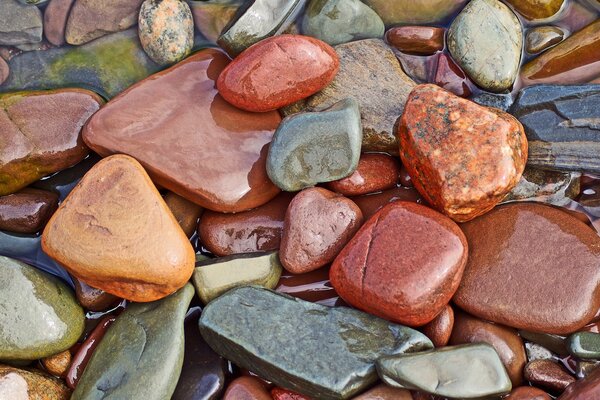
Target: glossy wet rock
315,147
185,212
55,20
141,355
420,40
486,40
368,68
505,341
318,224
467,371
449,76
291,355
553,187
528,393
89,19
501,101
531,243
58,364
312,286
258,20
93,299
404,264
216,276
210,17
583,389
41,134
536,9
553,343
166,30
375,172
20,23
277,72
283,394
384,392
40,316
19,384
440,328
584,345
371,203
211,153
540,38
548,375
27,211
246,388
415,12
572,61
250,231
341,21
560,125
116,213
434,132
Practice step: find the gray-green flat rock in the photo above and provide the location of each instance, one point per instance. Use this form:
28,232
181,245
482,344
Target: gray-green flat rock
19,23
322,352
468,371
141,354
551,187
408,12
486,39
584,345
213,277
316,147
554,343
39,315
341,21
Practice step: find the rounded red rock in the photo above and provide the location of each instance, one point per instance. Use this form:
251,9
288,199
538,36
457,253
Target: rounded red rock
440,329
246,388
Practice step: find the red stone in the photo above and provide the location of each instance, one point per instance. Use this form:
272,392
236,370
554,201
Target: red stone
528,393
420,40
375,172
282,394
440,328
278,71
55,20
246,388
318,224
462,157
371,203
404,264
450,76
584,389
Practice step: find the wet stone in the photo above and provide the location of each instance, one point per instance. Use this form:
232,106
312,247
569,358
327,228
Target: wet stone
528,393
584,389
415,12
282,394
210,17
419,40
541,38
27,211
246,388
290,356
449,76
553,187
20,23
548,375
537,9
553,343
536,352
371,203
501,101
185,212
58,364
19,384
584,345
440,328
312,286
375,172
385,392
93,299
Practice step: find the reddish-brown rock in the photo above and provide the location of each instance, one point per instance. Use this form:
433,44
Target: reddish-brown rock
451,77
318,224
58,364
375,172
312,286
516,273
246,388
93,299
439,133
278,71
371,203
250,231
188,138
440,328
584,389
4,70
283,394
506,341
404,264
55,20
384,392
27,211
528,393
185,212
420,40
548,375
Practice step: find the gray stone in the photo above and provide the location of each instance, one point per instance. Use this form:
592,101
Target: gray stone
212,16
541,38
551,187
468,371
584,345
322,352
316,147
141,354
486,40
501,101
19,23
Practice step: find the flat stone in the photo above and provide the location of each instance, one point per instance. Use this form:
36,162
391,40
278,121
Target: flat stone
295,356
371,74
553,343
93,299
501,101
531,243
58,364
419,40
553,187
212,16
560,124
90,19
486,40
318,224
528,393
384,392
141,355
19,384
214,277
541,38
20,23
467,371
584,389
404,264
341,21
40,316
415,12
166,30
256,21
315,147
584,345
27,211
55,20
246,388
548,375
375,172
277,72
371,203
536,9
116,213
557,65
440,328
434,132
196,150
41,134
185,212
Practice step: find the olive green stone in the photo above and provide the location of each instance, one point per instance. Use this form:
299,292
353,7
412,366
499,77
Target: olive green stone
468,371
341,21
541,38
321,352
585,345
408,12
216,276
141,354
551,187
39,315
554,343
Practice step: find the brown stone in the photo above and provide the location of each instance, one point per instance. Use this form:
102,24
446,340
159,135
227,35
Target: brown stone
246,388
375,172
384,392
584,389
448,75
203,149
93,299
312,286
440,329
528,393
371,203
55,20
318,224
116,214
19,384
284,394
435,131
506,341
185,212
548,375
420,40
4,70
516,269
58,364
540,38
27,211
536,9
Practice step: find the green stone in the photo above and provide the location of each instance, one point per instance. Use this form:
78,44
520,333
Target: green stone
213,277
341,21
321,352
468,371
315,147
141,354
39,315
405,12
584,345
554,343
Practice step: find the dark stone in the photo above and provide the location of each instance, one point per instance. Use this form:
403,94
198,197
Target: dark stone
501,101
27,211
585,345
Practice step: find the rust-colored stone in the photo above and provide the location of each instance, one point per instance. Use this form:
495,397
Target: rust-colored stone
283,394
420,40
548,374
584,389
246,388
528,393
440,329
375,172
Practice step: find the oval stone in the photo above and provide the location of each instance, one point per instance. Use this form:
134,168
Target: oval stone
440,328
247,388
277,72
420,40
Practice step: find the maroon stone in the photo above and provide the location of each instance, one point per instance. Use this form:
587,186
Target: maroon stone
375,172
421,40
371,203
246,388
548,374
312,286
440,329
585,389
528,393
27,211
451,77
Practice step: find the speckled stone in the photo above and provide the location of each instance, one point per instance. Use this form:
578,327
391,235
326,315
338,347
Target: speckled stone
57,364
19,384
283,394
415,12
486,40
536,9
584,345
501,101
4,70
210,17
294,356
548,374
440,328
541,38
20,23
